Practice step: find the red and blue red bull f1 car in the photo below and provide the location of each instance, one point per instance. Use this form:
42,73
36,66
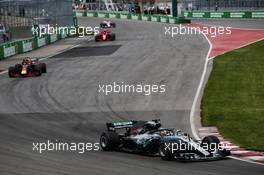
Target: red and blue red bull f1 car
27,68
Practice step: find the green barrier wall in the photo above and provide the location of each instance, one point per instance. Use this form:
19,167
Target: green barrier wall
91,14
102,15
236,15
40,42
257,14
63,33
114,15
25,45
52,38
8,49
22,46
1,52
155,18
124,16
135,17
172,20
145,17
132,16
164,19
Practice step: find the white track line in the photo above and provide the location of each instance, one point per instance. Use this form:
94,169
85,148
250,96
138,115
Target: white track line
255,157
244,160
3,72
198,91
240,152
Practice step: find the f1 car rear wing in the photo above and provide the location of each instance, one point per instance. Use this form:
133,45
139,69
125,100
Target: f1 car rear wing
119,125
126,124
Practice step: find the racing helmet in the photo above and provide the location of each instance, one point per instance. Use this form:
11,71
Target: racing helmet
151,125
27,60
166,133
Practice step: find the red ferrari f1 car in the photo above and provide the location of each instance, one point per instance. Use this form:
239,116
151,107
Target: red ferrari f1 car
105,35
27,68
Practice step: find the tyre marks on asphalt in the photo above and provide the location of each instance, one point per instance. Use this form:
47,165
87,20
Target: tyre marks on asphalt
86,51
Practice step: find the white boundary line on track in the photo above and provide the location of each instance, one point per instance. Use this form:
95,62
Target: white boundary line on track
244,160
57,53
198,91
3,72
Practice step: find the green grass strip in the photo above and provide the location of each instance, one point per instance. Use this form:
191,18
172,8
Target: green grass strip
234,96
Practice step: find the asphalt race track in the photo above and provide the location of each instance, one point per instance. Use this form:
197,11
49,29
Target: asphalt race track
65,104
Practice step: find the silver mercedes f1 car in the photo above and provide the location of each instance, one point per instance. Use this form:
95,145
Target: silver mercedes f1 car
148,137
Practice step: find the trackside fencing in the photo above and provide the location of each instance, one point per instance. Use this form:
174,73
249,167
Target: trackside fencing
131,16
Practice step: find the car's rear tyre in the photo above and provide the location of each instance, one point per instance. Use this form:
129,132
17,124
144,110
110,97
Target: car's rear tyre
164,151
109,141
43,67
37,71
113,37
211,143
11,72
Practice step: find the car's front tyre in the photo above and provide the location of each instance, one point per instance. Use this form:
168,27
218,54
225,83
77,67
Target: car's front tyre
211,143
43,67
164,151
37,71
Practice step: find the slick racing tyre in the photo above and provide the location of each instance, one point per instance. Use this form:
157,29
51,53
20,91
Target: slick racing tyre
11,72
109,141
113,37
43,67
211,143
164,151
37,71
